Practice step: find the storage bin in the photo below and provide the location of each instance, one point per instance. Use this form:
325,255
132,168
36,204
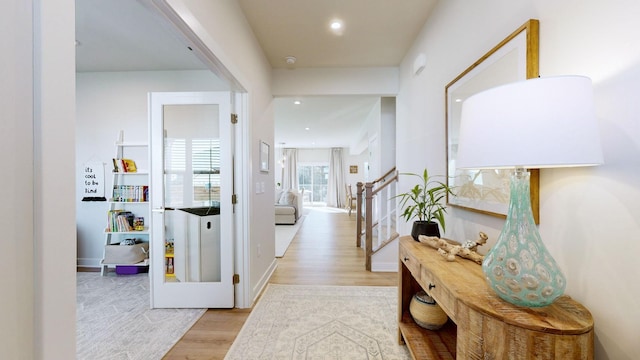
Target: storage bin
130,269
125,254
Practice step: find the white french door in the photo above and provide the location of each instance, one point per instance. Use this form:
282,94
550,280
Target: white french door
191,185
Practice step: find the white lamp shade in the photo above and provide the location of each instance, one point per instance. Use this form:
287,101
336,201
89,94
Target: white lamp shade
536,123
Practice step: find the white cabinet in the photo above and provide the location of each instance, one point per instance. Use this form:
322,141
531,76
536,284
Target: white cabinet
197,244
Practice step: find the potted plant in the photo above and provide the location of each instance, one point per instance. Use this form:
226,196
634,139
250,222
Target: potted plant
424,203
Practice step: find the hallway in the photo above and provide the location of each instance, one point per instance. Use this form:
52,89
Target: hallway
323,252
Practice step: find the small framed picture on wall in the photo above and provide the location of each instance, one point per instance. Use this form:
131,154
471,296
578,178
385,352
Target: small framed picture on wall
353,169
264,156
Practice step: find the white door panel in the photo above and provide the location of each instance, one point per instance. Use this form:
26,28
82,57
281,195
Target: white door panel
191,189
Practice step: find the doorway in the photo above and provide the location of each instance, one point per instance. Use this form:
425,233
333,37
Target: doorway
133,118
192,233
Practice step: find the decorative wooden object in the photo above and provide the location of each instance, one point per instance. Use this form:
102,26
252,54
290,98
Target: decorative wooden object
481,325
449,250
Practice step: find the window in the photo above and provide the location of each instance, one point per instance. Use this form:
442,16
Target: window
205,159
202,172
314,178
174,165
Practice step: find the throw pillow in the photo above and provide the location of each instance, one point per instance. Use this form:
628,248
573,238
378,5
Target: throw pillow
288,198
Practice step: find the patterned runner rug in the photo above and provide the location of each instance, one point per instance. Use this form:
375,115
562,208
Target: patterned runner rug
114,320
321,322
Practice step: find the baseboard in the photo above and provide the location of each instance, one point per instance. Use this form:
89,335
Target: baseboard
264,280
88,262
384,267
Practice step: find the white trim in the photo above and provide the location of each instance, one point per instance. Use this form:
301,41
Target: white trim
196,45
243,163
384,267
89,262
54,236
264,280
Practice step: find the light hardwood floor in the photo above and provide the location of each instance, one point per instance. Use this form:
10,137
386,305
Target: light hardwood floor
322,253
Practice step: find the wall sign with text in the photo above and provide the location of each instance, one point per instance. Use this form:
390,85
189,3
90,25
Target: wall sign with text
93,181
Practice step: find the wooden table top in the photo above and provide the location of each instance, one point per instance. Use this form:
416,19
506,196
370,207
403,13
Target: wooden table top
466,282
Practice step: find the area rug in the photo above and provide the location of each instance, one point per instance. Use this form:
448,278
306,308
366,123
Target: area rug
114,320
285,234
321,322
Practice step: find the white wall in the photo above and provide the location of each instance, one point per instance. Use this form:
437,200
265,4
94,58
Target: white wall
387,134
589,216
107,102
17,336
358,160
373,127
54,125
37,121
335,81
222,27
313,155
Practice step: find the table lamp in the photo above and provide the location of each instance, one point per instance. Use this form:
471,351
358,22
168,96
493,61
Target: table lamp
536,123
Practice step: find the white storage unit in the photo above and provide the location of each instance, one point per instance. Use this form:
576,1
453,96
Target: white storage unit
197,244
130,193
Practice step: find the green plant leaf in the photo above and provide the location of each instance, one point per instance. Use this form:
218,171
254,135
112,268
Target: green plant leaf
424,200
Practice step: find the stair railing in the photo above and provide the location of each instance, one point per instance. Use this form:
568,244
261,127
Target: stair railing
376,204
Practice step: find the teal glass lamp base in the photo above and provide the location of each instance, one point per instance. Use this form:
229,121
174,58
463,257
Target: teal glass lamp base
519,267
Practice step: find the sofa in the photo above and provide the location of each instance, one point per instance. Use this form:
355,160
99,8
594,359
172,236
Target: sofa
288,206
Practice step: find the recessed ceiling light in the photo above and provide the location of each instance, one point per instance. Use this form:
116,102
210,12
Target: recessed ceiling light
336,26
307,128
290,60
297,102
458,100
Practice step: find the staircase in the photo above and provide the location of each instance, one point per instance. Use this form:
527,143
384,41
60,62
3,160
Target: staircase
376,205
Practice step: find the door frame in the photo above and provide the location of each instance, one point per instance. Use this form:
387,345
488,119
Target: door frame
239,106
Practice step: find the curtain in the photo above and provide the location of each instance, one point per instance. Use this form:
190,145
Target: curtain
290,173
336,190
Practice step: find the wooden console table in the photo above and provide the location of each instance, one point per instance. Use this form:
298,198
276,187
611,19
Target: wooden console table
481,325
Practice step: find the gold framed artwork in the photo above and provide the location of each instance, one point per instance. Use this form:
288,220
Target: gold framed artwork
353,169
515,58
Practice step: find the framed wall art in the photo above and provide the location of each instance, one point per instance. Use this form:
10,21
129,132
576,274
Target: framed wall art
513,59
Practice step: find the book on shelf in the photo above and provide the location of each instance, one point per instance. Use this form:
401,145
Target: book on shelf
130,193
124,165
120,221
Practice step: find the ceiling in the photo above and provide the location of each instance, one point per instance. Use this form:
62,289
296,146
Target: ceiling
321,121
127,36
375,32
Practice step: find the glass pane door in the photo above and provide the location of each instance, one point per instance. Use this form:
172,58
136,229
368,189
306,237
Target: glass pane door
192,192
314,179
191,176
